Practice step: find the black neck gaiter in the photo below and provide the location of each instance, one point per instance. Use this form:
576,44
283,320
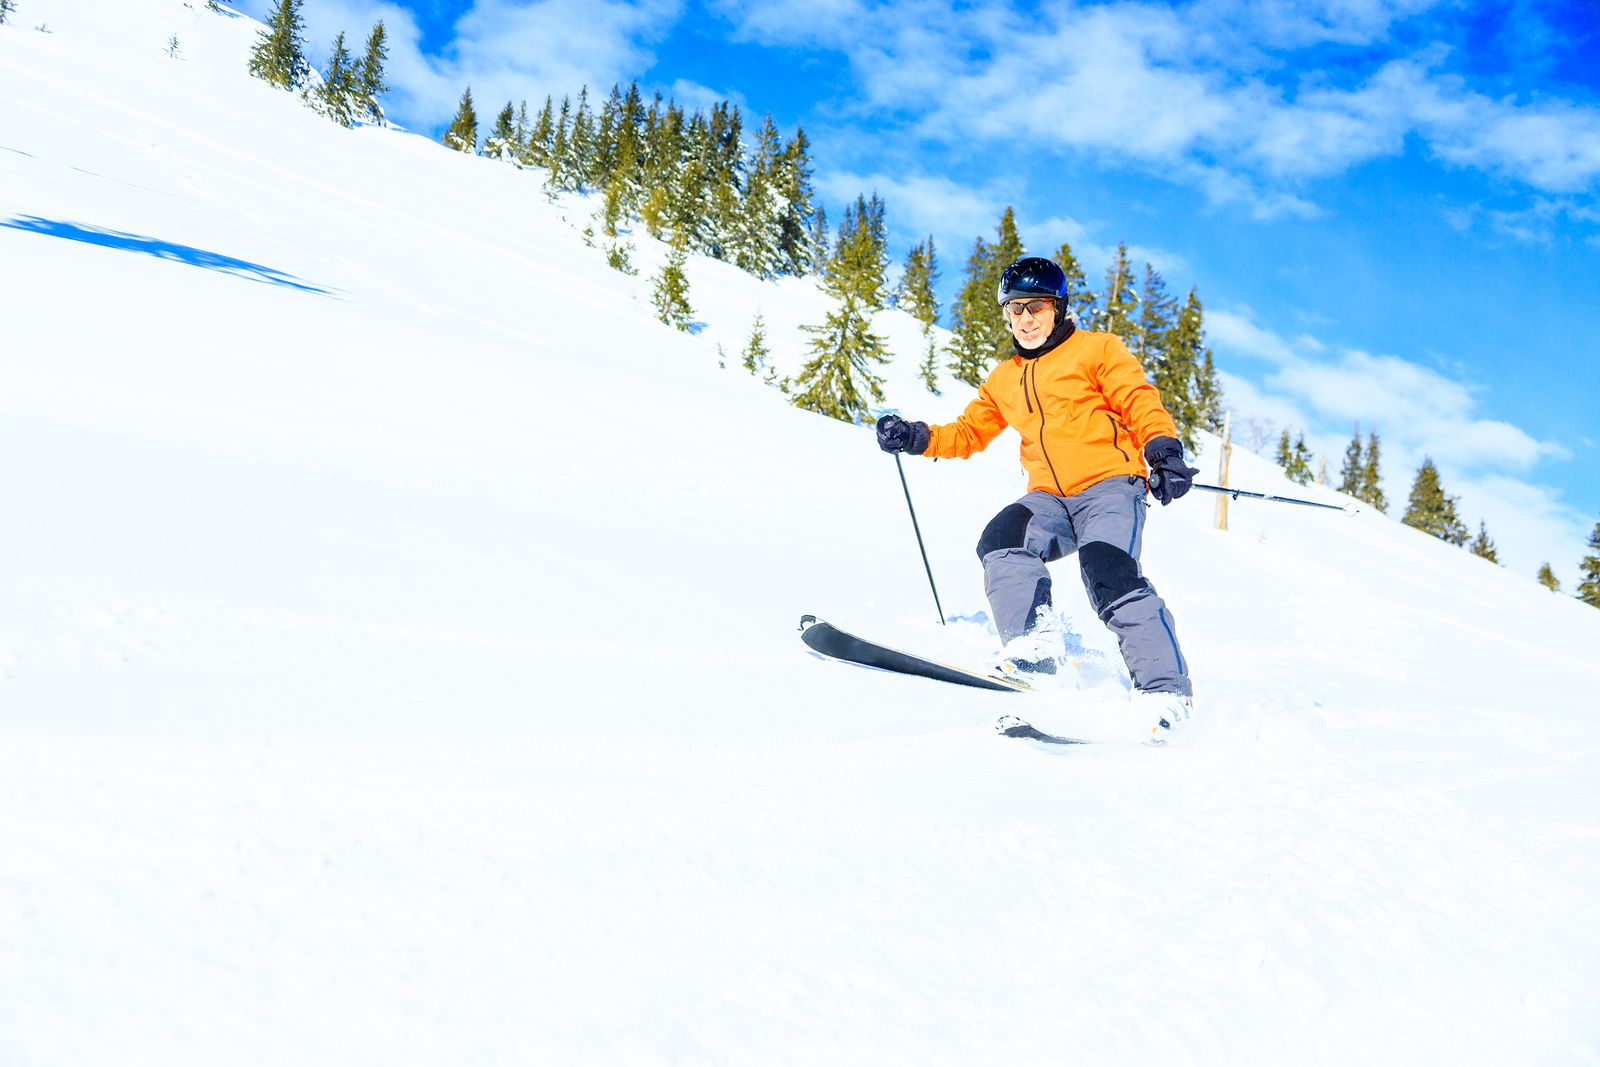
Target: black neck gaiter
1063,330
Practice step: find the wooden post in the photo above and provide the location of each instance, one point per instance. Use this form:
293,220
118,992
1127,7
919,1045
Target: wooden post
1222,471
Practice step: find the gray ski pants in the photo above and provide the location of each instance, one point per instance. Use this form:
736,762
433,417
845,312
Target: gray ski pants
1104,525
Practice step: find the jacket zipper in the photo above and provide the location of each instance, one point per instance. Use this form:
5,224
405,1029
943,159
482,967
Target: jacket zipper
1045,451
1114,443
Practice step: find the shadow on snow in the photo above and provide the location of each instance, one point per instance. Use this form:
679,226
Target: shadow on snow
150,246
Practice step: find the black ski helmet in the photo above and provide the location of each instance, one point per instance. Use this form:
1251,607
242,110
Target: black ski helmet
1033,276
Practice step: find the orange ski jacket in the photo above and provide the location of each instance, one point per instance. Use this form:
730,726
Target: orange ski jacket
1084,411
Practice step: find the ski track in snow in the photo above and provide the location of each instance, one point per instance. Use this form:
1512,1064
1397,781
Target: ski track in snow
409,673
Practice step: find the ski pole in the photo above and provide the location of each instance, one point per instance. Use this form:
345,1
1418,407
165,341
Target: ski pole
1235,494
918,530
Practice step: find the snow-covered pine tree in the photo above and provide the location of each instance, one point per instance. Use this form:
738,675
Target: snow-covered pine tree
727,180
1548,579
662,142
795,251
1120,299
1285,454
1371,479
1431,510
670,292
1351,474
502,143
838,380
369,76
819,242
463,132
1589,572
6,8
1080,299
970,326
336,96
279,57
757,230
1483,546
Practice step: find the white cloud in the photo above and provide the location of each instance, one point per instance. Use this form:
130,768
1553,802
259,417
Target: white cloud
1195,93
1418,413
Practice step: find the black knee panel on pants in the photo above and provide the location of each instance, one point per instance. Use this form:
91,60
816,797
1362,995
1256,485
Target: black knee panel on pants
1109,574
1009,529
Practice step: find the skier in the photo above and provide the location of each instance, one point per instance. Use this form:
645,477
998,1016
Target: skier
1089,422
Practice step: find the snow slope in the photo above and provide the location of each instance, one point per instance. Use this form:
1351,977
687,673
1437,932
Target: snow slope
398,664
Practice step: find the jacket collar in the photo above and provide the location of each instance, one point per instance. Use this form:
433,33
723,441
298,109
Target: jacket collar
1064,329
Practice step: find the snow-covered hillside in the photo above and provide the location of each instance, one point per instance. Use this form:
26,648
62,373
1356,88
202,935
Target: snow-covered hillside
398,664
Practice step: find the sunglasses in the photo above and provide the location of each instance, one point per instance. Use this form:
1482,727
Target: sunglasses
1016,308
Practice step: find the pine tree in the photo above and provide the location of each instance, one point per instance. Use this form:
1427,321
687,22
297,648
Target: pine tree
538,151
1169,350
1285,454
1371,480
576,165
796,254
670,294
756,229
619,257
559,151
915,295
1351,475
369,75
1080,300
838,380
463,132
1207,390
970,326
335,97
1299,466
1006,250
928,372
6,8
1151,333
279,56
818,241
502,143
756,352
1589,572
1120,298
1547,578
1431,510
1482,546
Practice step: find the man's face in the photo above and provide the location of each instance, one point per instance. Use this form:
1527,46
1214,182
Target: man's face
1031,319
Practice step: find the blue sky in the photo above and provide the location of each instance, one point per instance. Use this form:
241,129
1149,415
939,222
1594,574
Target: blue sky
1388,206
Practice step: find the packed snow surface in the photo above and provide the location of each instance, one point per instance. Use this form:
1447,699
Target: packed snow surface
398,664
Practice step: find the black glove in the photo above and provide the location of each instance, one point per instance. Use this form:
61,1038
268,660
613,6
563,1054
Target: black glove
897,435
1170,476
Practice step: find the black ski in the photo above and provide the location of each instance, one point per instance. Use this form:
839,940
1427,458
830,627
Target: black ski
830,641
